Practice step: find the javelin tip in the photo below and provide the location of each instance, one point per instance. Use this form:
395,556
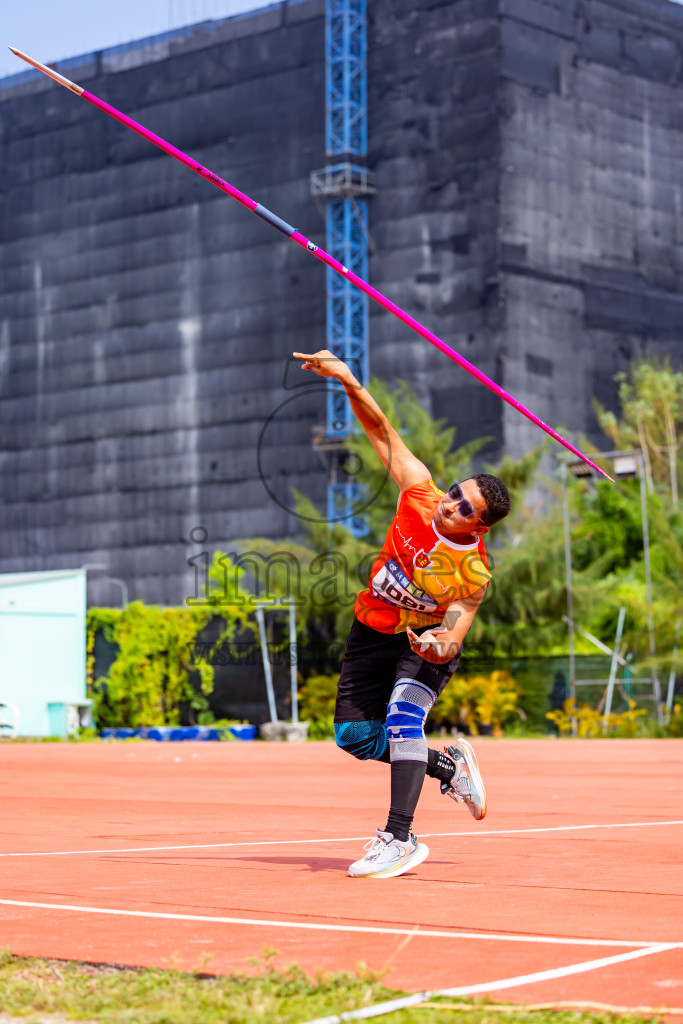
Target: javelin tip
50,72
598,469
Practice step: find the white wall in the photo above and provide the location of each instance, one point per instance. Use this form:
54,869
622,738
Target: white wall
42,643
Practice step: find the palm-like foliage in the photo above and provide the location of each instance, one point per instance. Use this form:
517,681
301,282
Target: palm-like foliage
431,441
328,568
523,610
651,399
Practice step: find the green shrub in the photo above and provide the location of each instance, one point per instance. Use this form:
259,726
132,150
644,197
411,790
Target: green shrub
316,705
674,727
150,678
156,672
534,682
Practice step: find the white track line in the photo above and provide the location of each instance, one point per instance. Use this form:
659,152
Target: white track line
493,986
363,929
337,839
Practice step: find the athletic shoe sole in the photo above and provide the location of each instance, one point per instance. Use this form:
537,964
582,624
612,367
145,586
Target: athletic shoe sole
420,854
475,775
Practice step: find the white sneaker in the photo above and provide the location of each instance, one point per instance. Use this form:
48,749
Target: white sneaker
388,857
466,786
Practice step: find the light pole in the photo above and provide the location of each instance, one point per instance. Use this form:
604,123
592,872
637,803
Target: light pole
100,566
626,463
568,574
122,585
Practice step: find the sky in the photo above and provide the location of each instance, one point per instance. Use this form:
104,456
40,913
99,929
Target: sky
51,30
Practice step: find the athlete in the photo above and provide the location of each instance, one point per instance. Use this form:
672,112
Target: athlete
410,623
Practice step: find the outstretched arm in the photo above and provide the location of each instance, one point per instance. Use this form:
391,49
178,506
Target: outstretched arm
402,465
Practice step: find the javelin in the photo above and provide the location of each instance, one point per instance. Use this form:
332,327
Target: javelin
296,236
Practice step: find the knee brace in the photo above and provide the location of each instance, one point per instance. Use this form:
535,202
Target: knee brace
364,740
409,705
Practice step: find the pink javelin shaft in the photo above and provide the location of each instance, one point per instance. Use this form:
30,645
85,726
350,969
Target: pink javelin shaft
305,243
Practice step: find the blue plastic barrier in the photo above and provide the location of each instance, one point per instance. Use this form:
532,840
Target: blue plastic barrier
179,733
120,734
244,732
159,732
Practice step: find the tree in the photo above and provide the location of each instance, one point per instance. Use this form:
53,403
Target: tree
524,611
331,563
651,400
430,440
651,419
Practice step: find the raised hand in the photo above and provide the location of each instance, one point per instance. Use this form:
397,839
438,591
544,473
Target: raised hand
325,364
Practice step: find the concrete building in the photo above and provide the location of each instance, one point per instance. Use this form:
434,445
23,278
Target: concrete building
528,160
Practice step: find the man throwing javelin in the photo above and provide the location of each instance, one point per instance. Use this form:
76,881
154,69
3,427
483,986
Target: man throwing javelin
410,624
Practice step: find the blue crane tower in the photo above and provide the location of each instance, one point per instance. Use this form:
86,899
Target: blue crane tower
343,185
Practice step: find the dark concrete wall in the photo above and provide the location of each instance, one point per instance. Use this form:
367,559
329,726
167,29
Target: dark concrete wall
434,152
146,317
592,173
527,156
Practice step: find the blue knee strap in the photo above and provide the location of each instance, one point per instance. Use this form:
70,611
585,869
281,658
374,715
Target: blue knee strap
365,740
409,706
405,721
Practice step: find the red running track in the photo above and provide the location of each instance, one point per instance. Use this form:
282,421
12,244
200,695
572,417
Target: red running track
166,854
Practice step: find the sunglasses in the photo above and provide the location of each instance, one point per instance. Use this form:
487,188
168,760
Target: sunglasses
465,508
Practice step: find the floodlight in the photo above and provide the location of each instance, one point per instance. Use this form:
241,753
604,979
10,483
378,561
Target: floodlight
625,465
580,470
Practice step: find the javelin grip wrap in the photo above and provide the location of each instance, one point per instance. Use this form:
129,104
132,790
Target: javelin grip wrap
265,214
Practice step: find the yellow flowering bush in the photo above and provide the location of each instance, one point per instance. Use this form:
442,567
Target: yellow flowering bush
476,701
590,722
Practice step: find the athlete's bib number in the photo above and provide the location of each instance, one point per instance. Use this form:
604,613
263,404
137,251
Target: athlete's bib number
392,585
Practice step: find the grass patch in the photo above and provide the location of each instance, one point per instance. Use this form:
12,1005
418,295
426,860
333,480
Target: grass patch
32,987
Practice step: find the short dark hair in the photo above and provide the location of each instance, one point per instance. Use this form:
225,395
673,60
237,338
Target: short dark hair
495,494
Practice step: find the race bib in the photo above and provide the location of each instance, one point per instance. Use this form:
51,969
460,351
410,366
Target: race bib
392,585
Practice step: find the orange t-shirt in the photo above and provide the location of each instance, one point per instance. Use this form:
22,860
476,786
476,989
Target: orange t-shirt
419,572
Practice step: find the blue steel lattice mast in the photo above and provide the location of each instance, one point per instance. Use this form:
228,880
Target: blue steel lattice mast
344,186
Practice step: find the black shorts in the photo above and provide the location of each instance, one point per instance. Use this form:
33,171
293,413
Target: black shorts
373,662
